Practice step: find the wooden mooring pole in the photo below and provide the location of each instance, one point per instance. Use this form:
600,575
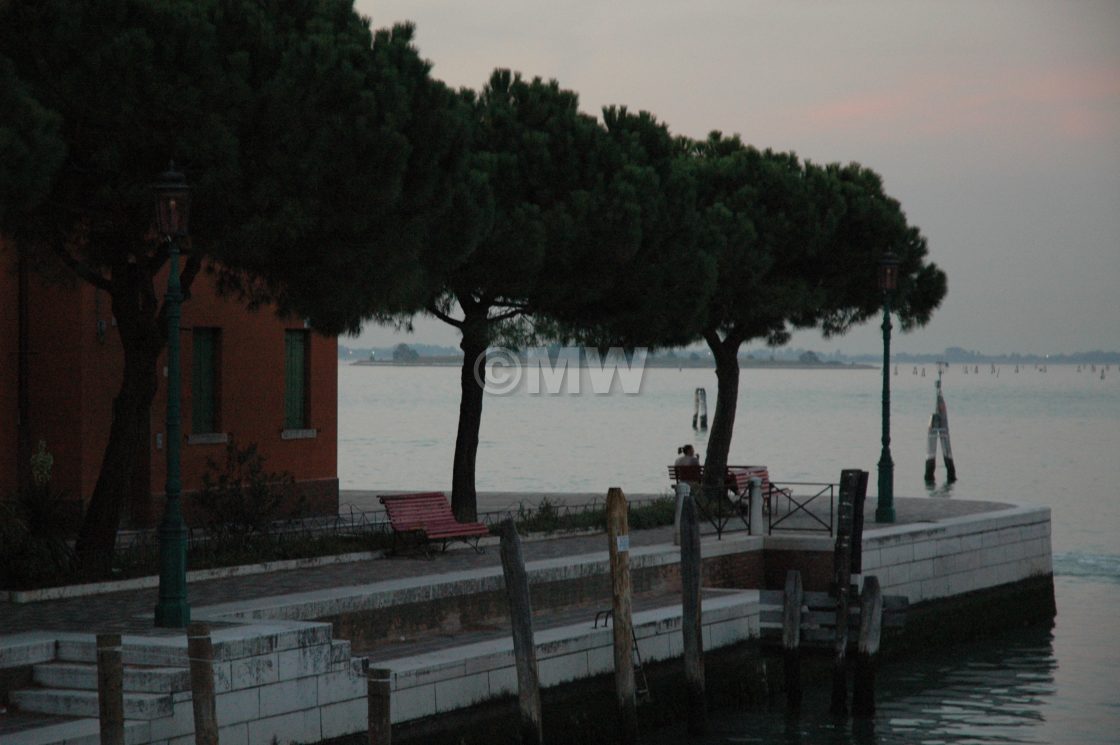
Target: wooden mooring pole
618,534
870,628
691,619
521,618
200,656
378,697
110,688
791,638
842,578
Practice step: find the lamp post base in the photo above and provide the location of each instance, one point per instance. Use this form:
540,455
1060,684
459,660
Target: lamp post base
884,510
173,611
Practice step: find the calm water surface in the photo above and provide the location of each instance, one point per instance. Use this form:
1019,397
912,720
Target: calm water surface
1037,437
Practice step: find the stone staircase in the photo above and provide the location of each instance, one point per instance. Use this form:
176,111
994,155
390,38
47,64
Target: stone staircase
288,681
67,687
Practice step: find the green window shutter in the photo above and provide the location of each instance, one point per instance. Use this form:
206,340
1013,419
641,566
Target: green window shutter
295,379
204,381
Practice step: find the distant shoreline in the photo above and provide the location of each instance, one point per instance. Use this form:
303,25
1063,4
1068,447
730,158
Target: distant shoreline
650,364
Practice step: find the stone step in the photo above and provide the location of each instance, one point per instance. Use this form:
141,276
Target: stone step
76,732
70,702
83,648
83,676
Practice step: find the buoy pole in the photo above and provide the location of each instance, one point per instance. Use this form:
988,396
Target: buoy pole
700,410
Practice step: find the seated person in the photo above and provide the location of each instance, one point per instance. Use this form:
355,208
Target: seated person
687,456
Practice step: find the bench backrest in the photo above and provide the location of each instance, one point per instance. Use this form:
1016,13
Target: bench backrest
686,473
414,511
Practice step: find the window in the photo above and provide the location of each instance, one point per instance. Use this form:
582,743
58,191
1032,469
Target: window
296,379
205,365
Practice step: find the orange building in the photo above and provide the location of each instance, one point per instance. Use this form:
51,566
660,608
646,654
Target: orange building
246,375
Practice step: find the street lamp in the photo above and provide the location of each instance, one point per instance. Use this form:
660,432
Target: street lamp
888,283
173,200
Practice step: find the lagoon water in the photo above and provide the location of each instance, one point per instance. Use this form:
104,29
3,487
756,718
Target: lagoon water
1041,437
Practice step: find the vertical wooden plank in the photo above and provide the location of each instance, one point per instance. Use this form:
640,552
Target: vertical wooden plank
200,654
691,619
521,617
870,629
791,637
110,689
618,533
379,693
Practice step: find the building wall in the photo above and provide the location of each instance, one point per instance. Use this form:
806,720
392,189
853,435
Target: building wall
9,360
75,373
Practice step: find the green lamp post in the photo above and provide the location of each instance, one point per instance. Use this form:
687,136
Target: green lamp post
888,283
172,218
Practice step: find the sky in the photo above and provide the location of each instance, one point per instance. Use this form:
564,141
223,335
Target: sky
995,123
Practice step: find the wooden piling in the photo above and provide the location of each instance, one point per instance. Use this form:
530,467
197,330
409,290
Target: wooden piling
842,577
521,618
870,630
110,689
379,691
618,533
791,638
691,619
200,655
682,491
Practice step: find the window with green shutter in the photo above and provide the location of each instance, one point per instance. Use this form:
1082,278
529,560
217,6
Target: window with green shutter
295,379
206,353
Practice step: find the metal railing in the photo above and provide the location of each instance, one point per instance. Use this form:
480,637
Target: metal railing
803,512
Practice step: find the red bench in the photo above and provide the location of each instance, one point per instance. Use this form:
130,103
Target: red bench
429,517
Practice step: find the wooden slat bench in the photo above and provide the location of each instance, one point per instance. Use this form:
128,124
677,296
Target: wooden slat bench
428,517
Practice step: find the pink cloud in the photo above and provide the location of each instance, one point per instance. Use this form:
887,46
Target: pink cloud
1078,104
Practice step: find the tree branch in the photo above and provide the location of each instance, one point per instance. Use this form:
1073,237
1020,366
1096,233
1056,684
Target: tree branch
431,308
512,313
84,272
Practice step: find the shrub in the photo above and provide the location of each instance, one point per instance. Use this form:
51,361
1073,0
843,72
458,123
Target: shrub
33,546
239,498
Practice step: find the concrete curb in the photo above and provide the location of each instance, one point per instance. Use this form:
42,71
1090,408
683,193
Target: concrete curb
140,583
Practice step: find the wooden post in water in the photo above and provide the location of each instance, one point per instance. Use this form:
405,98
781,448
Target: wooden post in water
791,638
379,691
521,618
200,656
691,619
618,534
110,689
870,629
842,577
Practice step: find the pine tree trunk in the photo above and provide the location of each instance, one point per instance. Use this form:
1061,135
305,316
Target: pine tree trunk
472,380
142,340
726,354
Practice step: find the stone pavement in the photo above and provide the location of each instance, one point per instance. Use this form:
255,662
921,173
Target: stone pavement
131,610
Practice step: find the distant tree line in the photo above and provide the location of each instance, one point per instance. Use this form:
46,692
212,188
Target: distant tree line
334,178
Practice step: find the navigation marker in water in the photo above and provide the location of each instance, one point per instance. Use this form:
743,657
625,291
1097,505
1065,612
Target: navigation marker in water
939,430
700,410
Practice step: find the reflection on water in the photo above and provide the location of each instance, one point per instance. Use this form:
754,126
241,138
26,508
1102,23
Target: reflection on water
1028,686
981,693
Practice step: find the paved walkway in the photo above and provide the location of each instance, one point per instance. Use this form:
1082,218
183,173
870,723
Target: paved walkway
131,610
